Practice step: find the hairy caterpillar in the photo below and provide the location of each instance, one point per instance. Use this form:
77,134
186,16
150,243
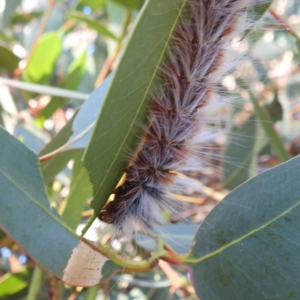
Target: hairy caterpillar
196,60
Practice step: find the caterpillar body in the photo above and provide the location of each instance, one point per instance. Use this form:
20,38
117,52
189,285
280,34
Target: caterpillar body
196,60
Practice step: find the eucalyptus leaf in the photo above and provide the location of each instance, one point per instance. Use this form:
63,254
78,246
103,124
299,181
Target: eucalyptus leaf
12,283
131,4
24,18
87,116
25,214
41,65
239,154
127,97
248,246
8,60
73,77
80,191
92,24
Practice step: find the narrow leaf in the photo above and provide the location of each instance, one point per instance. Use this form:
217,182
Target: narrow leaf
80,191
12,283
24,18
267,124
41,65
92,24
42,89
72,80
127,97
131,4
87,116
239,154
26,216
8,60
51,167
256,12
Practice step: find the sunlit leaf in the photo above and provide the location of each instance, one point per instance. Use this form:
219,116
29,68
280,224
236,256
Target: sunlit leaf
42,63
8,60
12,283
131,4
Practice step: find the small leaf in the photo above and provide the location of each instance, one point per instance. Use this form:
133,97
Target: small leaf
42,63
24,18
85,119
256,12
239,154
131,4
73,78
12,283
8,60
51,167
76,71
92,24
93,4
80,191
26,216
128,96
248,246
266,123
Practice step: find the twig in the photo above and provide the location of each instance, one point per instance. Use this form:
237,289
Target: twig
283,23
43,89
66,145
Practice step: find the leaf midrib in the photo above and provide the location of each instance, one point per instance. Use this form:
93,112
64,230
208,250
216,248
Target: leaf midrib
194,260
33,200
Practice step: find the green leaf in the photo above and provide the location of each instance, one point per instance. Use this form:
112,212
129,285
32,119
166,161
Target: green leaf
42,63
24,18
128,95
51,167
131,4
248,246
93,4
8,60
87,116
92,24
26,216
25,213
72,80
266,123
76,71
256,12
239,154
12,283
10,8
80,191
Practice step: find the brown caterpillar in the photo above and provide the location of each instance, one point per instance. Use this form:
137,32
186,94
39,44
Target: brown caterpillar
196,60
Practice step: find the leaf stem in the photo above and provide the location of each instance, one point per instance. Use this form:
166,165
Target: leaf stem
284,24
66,145
35,283
128,264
